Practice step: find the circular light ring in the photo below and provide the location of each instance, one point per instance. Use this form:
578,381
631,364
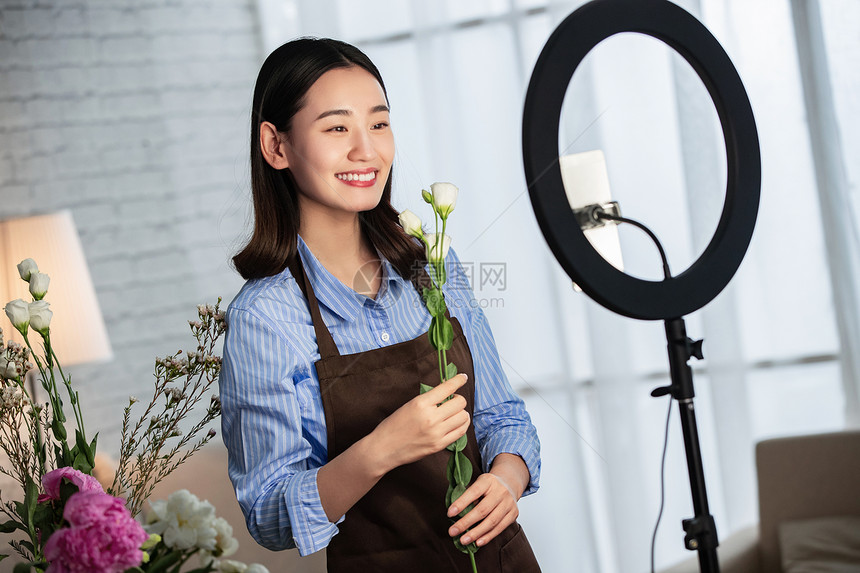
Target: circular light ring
564,51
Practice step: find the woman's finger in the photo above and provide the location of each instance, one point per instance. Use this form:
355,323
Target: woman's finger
456,426
486,525
451,407
485,538
472,493
446,388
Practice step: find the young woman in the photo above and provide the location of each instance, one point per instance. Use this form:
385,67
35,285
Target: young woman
331,445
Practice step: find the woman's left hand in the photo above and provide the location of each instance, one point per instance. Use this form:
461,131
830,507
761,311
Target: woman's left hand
497,507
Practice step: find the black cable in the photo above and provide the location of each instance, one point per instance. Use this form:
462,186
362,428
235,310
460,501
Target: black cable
604,215
667,274
662,484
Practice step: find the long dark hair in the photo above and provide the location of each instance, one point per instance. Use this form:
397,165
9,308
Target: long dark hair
283,81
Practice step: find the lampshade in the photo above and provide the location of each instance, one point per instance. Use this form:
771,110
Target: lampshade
78,333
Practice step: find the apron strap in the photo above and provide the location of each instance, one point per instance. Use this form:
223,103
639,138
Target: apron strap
324,339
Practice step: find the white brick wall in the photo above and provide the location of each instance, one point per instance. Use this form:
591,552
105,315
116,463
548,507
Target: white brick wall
134,116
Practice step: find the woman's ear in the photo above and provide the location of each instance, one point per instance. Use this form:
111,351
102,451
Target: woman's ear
273,146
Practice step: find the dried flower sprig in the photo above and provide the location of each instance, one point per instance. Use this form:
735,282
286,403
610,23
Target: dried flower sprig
181,381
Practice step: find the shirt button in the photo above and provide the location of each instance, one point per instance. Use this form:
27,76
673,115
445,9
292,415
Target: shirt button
385,337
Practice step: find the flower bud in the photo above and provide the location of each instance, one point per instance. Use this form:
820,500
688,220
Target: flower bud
19,315
444,198
411,223
26,268
432,251
39,285
40,316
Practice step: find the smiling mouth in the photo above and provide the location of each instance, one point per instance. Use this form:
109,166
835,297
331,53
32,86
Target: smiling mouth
363,177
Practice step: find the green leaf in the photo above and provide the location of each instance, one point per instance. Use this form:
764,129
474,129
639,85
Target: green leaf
31,493
67,490
23,568
450,370
58,429
448,495
81,463
425,388
459,445
11,526
43,518
435,301
464,476
164,562
93,448
449,471
459,490
66,456
84,448
2,557
447,334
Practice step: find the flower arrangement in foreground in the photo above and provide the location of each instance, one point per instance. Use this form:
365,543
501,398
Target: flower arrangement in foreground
67,522
443,198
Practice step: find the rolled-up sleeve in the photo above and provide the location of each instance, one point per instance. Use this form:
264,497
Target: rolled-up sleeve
270,461
502,424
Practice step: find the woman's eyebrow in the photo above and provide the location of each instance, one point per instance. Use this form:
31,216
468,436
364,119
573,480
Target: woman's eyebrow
374,109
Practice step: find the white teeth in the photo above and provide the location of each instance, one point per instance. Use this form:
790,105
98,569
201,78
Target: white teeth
354,177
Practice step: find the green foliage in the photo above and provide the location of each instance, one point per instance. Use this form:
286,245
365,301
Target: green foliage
450,370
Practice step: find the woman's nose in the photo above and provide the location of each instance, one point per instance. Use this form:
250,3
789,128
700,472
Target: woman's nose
362,146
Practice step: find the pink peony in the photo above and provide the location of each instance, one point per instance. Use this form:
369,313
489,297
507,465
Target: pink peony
52,480
102,536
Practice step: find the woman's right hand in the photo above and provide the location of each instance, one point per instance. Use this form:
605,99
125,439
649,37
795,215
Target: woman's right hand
424,425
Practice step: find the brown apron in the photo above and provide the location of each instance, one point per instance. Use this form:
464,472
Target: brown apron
401,524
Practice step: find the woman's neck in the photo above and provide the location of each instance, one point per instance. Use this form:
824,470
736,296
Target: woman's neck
342,248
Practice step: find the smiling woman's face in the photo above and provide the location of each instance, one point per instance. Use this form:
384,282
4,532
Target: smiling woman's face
340,145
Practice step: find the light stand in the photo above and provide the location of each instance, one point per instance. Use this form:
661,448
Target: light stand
675,296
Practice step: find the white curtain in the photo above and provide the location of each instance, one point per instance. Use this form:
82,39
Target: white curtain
778,342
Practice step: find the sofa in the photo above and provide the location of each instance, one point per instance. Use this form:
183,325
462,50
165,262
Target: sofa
809,509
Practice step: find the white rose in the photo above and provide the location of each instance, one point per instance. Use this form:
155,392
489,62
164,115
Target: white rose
411,223
26,268
256,568
230,566
19,315
432,254
40,316
39,284
444,198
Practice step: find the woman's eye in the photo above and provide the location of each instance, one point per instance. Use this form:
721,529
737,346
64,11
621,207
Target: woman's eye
338,128
381,125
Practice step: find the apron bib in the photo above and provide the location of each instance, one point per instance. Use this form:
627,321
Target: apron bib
401,524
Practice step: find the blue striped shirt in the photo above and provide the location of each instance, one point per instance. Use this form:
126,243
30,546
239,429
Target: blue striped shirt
272,414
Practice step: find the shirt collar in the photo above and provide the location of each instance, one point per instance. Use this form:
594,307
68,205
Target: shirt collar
336,296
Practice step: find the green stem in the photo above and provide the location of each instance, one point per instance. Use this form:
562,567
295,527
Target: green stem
444,270
38,365
73,396
441,368
472,559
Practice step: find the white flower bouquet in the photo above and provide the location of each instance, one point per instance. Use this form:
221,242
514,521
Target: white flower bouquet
67,522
